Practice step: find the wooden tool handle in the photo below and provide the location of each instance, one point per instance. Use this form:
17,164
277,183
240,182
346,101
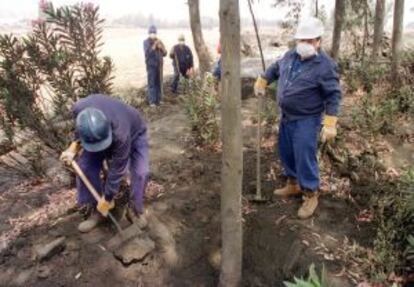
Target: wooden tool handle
85,180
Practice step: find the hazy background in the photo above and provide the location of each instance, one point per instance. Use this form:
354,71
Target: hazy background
165,10
127,22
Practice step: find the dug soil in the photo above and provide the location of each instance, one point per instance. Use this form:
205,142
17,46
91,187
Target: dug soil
183,201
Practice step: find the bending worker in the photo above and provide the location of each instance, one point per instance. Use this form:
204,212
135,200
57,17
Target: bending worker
182,60
308,87
154,51
108,129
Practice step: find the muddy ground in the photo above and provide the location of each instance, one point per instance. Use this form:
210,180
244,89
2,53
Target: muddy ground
183,214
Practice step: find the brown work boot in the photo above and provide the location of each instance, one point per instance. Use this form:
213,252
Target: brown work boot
94,220
291,188
310,202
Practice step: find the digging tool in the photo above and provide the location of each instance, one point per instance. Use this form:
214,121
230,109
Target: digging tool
95,194
258,197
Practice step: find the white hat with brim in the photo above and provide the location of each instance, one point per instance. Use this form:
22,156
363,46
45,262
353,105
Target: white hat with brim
309,28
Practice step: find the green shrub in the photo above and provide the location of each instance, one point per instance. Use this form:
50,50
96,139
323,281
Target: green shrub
313,280
43,73
201,105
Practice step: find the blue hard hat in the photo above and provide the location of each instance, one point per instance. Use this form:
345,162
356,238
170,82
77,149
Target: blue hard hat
152,29
94,130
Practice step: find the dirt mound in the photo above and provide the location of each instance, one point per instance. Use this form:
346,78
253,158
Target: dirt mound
184,223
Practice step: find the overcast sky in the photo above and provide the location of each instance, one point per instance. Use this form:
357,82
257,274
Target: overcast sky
162,9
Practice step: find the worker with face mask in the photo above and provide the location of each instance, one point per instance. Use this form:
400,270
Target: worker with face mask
308,94
182,60
154,51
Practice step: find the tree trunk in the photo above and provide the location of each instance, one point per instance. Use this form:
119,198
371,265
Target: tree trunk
378,28
366,32
316,8
397,40
232,159
204,57
339,21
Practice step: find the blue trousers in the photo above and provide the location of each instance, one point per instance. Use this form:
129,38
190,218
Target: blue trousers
91,163
176,79
298,146
154,85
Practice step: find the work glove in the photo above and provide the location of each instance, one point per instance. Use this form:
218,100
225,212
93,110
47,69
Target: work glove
105,206
260,86
329,128
69,154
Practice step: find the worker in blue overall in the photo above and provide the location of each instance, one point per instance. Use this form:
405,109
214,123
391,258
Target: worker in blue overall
155,52
108,129
182,61
309,95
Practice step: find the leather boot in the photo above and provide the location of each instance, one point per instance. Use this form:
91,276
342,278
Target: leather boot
291,188
310,202
94,220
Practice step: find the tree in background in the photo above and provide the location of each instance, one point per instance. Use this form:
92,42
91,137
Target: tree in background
232,158
338,25
378,28
204,56
294,9
397,31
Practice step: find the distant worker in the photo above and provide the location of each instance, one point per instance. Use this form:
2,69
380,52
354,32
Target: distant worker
154,51
182,60
107,129
308,87
217,64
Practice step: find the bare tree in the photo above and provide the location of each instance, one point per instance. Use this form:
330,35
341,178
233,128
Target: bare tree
232,159
339,22
316,8
397,31
366,11
378,28
204,57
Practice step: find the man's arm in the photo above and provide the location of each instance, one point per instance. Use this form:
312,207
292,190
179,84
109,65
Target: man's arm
272,73
117,170
331,90
331,94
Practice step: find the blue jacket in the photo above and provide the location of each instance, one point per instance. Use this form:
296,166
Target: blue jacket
153,58
313,89
127,126
217,69
183,55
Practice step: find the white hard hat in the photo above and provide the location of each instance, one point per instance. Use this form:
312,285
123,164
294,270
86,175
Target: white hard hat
309,28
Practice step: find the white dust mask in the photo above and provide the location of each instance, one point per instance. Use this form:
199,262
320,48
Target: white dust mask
153,35
305,50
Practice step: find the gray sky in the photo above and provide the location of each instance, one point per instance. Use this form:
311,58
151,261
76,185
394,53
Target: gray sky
163,9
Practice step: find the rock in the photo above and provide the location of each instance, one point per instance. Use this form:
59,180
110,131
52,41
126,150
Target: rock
23,277
50,249
134,250
128,233
43,272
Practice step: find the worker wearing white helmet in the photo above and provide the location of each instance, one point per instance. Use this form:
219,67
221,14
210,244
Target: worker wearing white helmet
308,95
